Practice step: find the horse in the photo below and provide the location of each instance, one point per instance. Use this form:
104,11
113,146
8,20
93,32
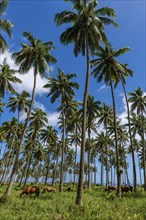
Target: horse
110,188
126,188
30,190
48,189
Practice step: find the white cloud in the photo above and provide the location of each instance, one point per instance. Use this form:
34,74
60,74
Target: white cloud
27,79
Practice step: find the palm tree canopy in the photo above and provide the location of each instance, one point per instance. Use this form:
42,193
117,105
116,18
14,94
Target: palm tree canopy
86,21
20,102
106,115
35,54
138,101
7,77
61,86
106,63
5,26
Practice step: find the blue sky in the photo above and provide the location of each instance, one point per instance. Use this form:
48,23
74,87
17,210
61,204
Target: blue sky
38,18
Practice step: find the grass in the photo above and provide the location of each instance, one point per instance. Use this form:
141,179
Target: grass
97,205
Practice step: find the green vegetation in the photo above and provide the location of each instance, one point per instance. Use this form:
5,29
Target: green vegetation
57,206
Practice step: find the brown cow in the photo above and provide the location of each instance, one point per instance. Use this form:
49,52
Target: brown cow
48,189
126,188
30,190
110,188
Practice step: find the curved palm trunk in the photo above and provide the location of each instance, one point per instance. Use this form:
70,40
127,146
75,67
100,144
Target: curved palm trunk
131,142
116,142
79,197
14,169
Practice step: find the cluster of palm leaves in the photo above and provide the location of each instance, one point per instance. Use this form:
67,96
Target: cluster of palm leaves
33,148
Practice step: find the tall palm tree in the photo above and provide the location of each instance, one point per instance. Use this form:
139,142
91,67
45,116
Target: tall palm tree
91,114
5,26
138,104
7,77
86,32
105,117
63,87
106,67
36,55
38,119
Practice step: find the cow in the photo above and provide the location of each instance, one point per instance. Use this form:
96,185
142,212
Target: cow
30,190
110,188
126,188
48,189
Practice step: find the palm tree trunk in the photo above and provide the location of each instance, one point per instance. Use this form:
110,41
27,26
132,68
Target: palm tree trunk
89,152
101,173
5,168
107,179
14,169
27,170
62,158
22,175
75,167
55,170
79,198
139,170
116,142
144,152
131,142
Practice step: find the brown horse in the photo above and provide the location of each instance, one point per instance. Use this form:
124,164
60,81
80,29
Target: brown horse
48,189
30,190
110,188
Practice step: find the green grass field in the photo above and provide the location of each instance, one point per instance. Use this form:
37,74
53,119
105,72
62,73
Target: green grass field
61,206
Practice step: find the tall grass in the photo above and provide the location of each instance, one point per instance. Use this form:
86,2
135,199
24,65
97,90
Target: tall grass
98,205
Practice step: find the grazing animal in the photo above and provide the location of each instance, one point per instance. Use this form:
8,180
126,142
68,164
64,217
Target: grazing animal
110,188
48,189
30,190
126,188
68,189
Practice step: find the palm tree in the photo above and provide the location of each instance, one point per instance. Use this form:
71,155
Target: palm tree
48,136
86,32
106,67
64,87
38,119
7,77
105,117
91,114
138,103
5,26
36,55
20,102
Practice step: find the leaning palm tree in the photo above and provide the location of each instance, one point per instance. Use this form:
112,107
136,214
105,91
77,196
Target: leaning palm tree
36,55
7,77
138,104
63,87
5,26
86,32
106,67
